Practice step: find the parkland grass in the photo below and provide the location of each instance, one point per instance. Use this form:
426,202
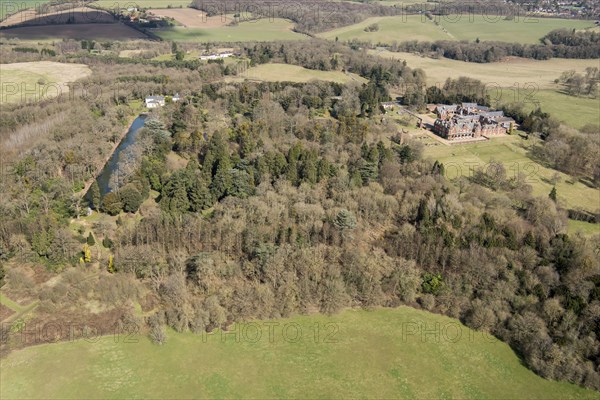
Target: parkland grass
512,152
509,72
382,353
585,228
293,73
454,27
573,111
141,4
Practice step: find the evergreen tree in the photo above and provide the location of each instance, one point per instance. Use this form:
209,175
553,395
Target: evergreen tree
199,196
90,240
95,196
111,204
2,275
131,198
345,220
552,194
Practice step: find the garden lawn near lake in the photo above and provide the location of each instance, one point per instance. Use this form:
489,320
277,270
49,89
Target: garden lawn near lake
357,353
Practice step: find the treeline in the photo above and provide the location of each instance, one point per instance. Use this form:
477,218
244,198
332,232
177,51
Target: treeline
560,43
312,17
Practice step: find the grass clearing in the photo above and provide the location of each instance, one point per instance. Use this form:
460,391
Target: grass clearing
142,4
33,81
585,228
512,151
293,73
454,27
350,355
261,30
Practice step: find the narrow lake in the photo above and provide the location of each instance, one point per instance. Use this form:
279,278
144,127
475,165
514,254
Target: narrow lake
113,163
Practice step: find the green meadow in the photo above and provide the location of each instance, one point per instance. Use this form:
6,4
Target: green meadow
383,353
454,27
259,30
573,111
512,152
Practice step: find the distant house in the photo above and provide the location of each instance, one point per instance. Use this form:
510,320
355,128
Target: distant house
216,56
159,101
155,101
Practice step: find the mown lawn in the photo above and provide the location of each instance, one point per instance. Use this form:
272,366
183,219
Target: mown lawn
383,353
259,30
512,152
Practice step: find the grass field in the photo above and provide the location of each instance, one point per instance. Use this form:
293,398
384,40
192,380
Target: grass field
508,73
512,151
461,27
585,228
356,354
11,7
293,73
573,111
145,4
260,30
32,81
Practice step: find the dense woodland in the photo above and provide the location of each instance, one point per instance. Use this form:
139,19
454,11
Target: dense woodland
294,198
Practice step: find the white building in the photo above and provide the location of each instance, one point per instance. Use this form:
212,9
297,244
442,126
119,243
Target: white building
155,101
215,56
159,101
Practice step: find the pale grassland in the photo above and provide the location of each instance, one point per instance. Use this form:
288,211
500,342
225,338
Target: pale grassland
381,353
293,73
453,27
33,81
508,73
260,30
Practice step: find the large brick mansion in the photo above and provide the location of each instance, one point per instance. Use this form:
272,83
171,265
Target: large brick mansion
469,121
